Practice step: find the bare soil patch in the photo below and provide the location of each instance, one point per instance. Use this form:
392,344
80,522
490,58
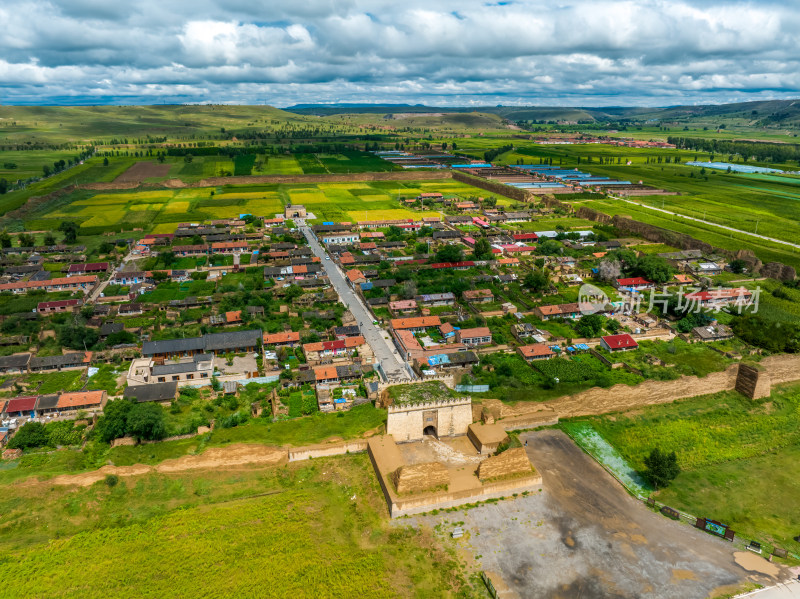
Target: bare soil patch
584,536
143,170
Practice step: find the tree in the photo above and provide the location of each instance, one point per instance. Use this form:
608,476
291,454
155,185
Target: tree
449,253
737,266
168,258
5,240
482,249
409,289
3,186
105,161
114,421
590,325
188,158
654,269
77,337
32,434
661,468
49,239
26,240
70,231
536,281
609,270
146,421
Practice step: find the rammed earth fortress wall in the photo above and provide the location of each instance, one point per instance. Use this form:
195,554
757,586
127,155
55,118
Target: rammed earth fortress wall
779,369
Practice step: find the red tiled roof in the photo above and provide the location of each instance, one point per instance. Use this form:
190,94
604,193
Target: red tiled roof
21,404
452,264
283,337
80,398
535,350
476,332
633,282
416,322
621,341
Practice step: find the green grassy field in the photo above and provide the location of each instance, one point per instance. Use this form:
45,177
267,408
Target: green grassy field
767,251
308,529
738,457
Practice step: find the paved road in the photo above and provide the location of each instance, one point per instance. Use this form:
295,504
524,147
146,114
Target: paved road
786,590
380,342
705,222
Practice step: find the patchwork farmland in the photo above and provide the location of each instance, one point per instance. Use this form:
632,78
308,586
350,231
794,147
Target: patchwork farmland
160,211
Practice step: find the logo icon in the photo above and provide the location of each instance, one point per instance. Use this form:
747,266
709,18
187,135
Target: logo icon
592,299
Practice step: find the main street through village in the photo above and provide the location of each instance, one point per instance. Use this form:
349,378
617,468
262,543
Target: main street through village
393,366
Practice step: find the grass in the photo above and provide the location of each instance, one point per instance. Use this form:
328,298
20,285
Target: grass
307,529
738,456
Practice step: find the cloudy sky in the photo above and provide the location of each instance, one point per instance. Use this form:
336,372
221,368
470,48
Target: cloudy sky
438,52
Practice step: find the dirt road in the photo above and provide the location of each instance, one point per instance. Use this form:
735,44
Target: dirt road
583,536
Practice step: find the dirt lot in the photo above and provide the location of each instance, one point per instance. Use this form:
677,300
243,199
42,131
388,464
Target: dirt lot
143,170
583,536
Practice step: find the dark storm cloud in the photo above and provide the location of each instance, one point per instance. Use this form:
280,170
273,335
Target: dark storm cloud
447,52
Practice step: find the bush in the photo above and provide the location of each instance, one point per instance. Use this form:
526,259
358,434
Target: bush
111,480
31,435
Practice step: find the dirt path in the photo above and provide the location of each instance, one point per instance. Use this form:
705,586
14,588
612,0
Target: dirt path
232,456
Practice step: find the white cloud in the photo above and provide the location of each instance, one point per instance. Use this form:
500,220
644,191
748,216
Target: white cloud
449,51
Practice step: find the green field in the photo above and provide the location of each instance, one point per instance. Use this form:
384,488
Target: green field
308,529
765,250
738,457
161,210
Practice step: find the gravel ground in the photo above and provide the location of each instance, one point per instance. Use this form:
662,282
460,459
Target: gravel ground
584,537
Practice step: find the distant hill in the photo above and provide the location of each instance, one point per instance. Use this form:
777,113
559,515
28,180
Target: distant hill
758,113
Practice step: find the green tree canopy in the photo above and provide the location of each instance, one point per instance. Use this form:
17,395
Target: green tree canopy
662,467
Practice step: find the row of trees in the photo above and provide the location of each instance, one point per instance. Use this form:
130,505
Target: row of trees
761,151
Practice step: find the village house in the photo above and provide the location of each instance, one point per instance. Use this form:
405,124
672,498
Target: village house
87,268
163,393
343,238
403,307
622,342
415,325
356,277
58,363
282,339
216,343
229,247
474,337
714,298
78,283
633,284
571,311
716,332
537,351
478,296
70,403
191,250
436,299
58,306
144,371
323,350
15,363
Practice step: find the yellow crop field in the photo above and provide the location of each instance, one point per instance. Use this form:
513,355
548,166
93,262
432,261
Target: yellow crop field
177,207
142,207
